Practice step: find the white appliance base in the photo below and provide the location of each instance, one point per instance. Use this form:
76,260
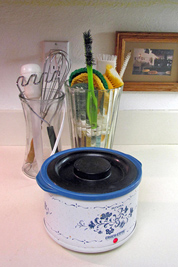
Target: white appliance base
90,250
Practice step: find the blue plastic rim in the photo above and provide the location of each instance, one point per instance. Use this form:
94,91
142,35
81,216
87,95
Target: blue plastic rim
47,185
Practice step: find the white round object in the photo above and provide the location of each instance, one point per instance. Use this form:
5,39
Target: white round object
30,69
32,91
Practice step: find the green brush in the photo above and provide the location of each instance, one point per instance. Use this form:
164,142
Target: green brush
91,98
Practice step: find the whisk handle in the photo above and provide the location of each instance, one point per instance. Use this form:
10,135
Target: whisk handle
52,136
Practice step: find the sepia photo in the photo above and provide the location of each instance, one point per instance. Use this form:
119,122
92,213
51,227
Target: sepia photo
152,61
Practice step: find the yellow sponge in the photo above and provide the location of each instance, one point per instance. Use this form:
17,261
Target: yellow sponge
83,78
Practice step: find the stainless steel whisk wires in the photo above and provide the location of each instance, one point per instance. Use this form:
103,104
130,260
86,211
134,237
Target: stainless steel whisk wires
56,69
58,66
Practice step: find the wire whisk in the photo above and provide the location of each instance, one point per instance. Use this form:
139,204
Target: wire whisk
55,71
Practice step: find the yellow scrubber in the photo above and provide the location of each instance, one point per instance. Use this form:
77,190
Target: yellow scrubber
83,78
112,75
110,86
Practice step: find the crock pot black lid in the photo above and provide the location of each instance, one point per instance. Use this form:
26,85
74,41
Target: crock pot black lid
92,168
93,172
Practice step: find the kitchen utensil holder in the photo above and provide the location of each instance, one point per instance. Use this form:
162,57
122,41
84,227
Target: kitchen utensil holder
50,126
45,112
82,133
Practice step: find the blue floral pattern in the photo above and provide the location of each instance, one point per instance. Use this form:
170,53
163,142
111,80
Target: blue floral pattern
47,208
109,221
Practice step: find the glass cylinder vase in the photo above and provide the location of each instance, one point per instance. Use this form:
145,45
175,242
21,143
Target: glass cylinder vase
43,121
92,115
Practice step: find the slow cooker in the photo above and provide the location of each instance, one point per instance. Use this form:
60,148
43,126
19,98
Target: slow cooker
91,197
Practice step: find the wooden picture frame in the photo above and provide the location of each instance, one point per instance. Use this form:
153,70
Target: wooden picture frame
160,76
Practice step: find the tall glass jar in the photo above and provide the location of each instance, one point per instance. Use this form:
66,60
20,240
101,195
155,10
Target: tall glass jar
92,115
43,122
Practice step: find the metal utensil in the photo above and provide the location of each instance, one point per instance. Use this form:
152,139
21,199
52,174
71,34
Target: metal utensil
55,71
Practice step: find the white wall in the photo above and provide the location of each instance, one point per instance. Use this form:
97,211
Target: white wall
24,25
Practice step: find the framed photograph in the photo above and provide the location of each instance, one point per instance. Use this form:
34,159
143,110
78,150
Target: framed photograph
153,63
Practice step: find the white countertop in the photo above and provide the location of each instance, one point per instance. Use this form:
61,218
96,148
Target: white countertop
24,241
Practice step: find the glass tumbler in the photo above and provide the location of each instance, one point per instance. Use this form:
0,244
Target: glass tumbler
92,115
43,122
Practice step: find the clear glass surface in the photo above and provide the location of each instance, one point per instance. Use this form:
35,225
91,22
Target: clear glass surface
42,120
92,117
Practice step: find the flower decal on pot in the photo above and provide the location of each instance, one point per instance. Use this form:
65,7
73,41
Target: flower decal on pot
47,208
109,221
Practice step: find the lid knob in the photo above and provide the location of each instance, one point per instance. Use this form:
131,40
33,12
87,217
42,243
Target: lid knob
92,168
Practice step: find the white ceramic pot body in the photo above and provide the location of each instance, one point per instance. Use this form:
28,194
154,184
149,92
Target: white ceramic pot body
86,222
90,226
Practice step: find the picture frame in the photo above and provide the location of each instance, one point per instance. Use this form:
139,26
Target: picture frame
153,65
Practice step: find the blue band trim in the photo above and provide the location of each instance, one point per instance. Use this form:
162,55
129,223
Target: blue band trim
47,185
